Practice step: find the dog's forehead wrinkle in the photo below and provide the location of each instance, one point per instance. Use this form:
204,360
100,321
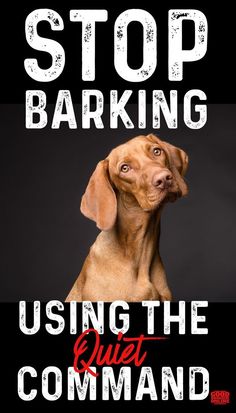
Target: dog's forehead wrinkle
124,261
122,153
142,143
137,146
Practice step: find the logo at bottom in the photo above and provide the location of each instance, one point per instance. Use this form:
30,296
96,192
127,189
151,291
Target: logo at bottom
220,397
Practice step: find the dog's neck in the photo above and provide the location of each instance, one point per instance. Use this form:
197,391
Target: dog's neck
136,231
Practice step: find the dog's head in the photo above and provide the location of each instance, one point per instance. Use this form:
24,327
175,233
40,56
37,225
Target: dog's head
145,169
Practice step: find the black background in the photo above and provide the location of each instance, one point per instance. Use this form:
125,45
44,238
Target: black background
44,239
214,351
214,73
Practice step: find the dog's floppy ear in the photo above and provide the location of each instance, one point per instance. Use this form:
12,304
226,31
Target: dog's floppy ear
179,157
99,200
178,164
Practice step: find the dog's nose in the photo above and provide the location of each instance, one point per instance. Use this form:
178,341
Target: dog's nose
162,180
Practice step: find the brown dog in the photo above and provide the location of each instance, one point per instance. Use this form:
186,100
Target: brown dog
125,196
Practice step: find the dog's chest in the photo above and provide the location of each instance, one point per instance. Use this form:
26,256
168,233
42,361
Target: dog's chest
117,275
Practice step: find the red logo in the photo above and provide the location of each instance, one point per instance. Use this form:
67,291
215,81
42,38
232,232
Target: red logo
220,397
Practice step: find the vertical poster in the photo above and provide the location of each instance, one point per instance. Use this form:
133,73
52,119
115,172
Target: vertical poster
117,205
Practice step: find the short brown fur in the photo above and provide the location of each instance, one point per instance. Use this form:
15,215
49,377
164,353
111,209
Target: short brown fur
124,263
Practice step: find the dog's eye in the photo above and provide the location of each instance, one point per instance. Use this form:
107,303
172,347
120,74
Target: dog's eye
125,168
156,151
